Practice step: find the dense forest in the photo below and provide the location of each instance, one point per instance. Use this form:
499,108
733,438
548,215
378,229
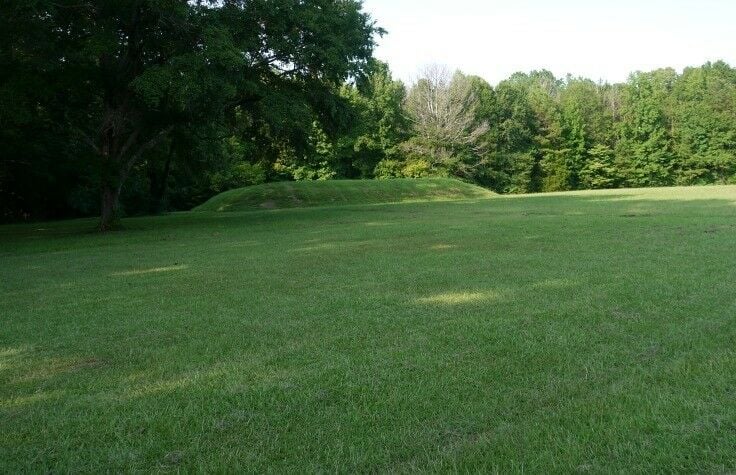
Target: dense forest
136,107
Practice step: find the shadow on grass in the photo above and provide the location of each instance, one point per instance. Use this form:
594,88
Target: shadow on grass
660,200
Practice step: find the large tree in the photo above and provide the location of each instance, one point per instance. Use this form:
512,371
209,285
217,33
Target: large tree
645,143
120,76
704,124
442,107
380,123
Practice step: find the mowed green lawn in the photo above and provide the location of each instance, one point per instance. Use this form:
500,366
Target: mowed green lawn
591,332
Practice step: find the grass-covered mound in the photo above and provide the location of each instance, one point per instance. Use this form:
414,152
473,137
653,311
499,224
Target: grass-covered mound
306,194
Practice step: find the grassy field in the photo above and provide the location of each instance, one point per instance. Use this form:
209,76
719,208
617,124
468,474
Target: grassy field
590,332
306,194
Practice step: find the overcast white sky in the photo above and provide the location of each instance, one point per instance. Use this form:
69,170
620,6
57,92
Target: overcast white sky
597,39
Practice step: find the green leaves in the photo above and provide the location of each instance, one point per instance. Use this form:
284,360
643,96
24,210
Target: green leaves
704,124
121,77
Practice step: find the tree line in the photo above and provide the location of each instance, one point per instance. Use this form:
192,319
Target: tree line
537,133
142,106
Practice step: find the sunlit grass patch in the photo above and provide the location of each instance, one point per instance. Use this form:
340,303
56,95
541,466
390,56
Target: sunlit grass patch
20,401
152,270
377,224
456,298
443,247
316,247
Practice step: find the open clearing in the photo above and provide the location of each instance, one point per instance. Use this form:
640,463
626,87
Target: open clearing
588,331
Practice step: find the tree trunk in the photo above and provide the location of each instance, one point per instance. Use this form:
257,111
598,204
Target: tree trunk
159,182
119,154
109,207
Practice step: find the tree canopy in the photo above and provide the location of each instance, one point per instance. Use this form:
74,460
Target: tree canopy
114,80
141,106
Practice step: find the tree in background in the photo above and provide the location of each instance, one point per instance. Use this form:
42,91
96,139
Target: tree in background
583,126
645,146
144,106
380,123
512,128
600,170
447,136
704,124
120,77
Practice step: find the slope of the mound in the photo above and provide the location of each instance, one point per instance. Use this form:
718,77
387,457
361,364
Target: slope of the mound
342,192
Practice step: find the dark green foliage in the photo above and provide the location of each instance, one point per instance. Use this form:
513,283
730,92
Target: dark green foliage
704,124
143,106
645,143
658,129
600,170
380,123
108,83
